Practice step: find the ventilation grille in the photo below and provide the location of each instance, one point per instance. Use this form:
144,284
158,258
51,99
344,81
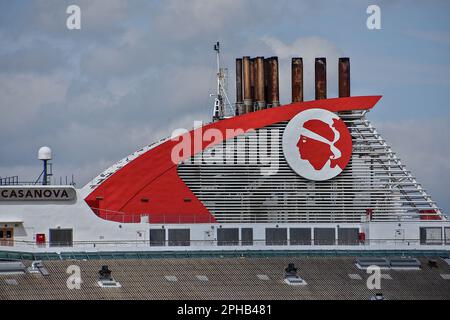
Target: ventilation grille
375,180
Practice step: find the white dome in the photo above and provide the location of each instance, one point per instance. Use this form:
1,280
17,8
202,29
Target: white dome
45,153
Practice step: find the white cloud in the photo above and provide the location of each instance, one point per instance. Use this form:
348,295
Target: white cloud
308,48
23,96
101,14
187,19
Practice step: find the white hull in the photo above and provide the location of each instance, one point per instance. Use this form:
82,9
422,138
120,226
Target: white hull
91,233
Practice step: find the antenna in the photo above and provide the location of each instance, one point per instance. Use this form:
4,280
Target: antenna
222,105
45,154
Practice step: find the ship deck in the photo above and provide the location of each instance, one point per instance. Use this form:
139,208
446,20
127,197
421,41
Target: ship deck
227,278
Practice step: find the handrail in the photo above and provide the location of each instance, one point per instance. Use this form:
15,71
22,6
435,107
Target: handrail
124,217
170,218
215,243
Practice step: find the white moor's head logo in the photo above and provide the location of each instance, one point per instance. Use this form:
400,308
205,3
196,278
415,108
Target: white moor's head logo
317,144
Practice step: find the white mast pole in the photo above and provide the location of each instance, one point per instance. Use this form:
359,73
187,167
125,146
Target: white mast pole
217,48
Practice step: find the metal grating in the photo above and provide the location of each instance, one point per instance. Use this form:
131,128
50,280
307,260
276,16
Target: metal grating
235,191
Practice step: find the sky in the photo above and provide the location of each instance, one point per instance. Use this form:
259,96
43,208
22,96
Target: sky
137,70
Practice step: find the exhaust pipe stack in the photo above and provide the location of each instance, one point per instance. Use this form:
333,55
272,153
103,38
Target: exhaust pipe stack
239,96
248,102
273,82
257,85
257,82
321,78
252,84
344,77
297,79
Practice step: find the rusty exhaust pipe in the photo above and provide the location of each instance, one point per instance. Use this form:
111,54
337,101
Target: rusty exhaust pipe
266,82
259,84
252,83
344,77
273,82
297,79
321,78
248,102
239,96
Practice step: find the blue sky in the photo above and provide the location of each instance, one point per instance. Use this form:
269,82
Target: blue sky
138,69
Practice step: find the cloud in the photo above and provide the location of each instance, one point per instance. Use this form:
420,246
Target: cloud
36,57
308,48
101,19
182,20
24,96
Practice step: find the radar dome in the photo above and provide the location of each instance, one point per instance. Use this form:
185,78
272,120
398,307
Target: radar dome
45,153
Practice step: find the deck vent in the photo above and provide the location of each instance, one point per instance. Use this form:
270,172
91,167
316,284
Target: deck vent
11,282
405,264
202,278
354,276
364,263
171,278
38,267
432,263
106,280
291,277
377,296
12,267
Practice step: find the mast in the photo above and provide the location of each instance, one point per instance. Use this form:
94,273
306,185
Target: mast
217,49
222,105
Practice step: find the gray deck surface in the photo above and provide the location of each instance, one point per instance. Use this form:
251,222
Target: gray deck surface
228,278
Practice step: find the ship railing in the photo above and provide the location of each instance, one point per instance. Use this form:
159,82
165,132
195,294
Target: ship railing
159,218
196,218
14,181
146,243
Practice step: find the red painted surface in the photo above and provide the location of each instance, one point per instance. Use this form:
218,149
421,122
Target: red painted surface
40,238
369,213
154,176
433,215
317,152
362,237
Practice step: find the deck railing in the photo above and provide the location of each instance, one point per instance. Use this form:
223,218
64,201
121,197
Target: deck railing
245,245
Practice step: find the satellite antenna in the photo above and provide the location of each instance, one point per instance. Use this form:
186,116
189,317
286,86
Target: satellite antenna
45,154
